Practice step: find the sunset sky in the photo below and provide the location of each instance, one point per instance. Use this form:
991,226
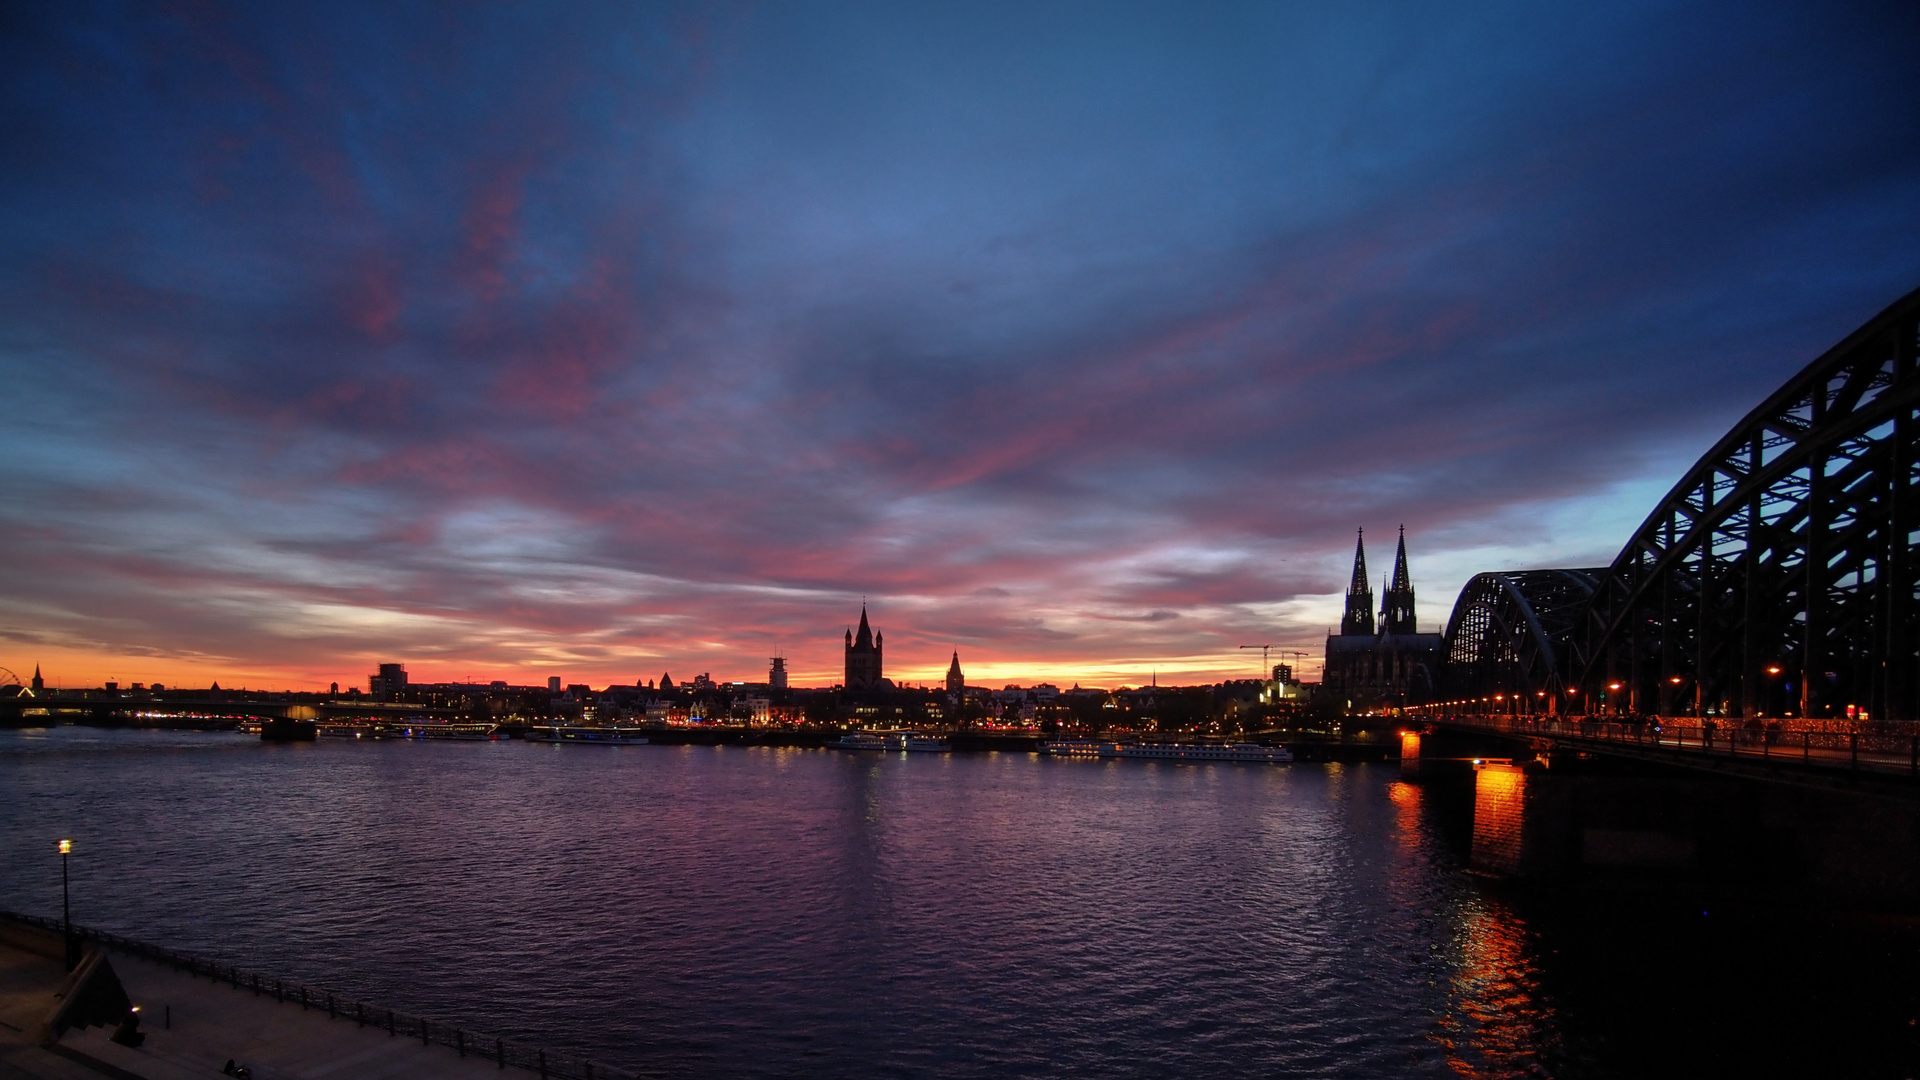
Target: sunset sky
607,341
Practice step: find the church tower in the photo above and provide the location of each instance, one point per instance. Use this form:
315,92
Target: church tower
1397,614
39,684
863,657
1359,616
956,682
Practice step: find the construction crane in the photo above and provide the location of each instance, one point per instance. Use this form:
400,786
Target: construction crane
1266,666
1298,656
1266,671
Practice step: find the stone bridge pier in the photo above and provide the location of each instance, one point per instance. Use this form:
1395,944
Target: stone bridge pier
1559,816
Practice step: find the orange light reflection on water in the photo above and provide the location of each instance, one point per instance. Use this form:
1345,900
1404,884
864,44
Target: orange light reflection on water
1497,1020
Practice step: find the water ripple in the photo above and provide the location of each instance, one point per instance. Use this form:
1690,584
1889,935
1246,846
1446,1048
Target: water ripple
770,913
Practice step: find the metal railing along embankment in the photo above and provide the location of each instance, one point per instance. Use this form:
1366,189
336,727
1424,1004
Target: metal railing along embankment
464,1041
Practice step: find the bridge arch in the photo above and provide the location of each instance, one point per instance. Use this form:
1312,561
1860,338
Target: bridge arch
1509,632
1776,577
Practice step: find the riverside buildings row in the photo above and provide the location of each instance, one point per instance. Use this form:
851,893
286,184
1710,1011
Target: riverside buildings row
1369,666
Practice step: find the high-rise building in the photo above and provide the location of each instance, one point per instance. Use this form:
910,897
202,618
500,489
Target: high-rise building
553,684
777,673
863,657
956,682
388,683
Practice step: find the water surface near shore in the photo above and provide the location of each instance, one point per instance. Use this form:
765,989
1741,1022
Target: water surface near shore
701,911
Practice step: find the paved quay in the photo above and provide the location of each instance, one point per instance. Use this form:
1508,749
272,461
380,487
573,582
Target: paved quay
209,1024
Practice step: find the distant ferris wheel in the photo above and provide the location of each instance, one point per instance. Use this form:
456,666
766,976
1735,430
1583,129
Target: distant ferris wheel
8,678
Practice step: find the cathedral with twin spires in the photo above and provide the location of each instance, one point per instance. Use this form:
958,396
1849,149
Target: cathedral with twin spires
1397,664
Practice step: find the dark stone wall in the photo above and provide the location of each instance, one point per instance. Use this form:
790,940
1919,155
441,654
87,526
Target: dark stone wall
1622,824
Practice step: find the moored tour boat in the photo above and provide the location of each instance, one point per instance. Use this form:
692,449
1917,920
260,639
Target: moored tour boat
913,742
458,732
1249,752
586,736
861,740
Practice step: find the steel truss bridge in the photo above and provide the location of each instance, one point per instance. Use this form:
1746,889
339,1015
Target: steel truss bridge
1775,579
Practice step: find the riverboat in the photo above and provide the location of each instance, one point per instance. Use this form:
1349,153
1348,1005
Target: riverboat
914,742
586,736
455,732
282,729
1248,752
861,740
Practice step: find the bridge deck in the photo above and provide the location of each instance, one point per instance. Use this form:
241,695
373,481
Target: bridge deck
1884,764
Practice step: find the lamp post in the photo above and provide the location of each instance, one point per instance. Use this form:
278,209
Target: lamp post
66,905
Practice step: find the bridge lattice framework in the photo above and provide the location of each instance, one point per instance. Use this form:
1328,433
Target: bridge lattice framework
1775,577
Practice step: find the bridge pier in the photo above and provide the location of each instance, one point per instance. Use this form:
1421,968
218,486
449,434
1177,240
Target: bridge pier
1590,821
1500,821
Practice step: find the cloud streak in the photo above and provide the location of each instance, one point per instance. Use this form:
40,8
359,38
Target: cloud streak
648,340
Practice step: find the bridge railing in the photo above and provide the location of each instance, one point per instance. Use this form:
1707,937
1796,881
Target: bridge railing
1879,748
466,1042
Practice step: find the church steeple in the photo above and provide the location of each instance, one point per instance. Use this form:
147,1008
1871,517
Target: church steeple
1359,616
1397,612
956,682
38,683
863,657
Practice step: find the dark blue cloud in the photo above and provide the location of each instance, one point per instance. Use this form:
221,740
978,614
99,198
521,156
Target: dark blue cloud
1079,336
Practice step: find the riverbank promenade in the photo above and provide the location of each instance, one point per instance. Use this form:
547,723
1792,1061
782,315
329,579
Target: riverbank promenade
193,1026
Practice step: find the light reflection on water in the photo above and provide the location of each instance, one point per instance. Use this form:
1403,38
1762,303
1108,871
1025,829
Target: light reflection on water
761,913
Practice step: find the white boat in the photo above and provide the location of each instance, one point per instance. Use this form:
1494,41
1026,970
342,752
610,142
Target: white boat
589,736
461,732
861,740
915,743
1251,752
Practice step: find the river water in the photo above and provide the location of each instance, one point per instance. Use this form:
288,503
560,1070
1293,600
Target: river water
751,912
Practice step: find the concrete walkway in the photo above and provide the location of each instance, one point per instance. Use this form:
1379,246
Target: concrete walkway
210,1023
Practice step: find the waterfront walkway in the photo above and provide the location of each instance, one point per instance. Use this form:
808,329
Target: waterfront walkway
194,1025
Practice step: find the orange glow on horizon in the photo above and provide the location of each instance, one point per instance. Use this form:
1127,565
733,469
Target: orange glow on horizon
68,668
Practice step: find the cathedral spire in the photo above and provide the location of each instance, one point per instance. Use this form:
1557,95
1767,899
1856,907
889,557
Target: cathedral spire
956,682
1397,612
1359,616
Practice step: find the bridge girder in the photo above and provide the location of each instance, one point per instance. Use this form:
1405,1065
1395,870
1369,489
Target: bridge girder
1783,557
1509,631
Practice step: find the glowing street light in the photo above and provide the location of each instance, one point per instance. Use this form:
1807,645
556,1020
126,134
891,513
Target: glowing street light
66,907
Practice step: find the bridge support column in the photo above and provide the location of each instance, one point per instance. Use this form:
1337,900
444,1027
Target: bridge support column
1500,820
1409,755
